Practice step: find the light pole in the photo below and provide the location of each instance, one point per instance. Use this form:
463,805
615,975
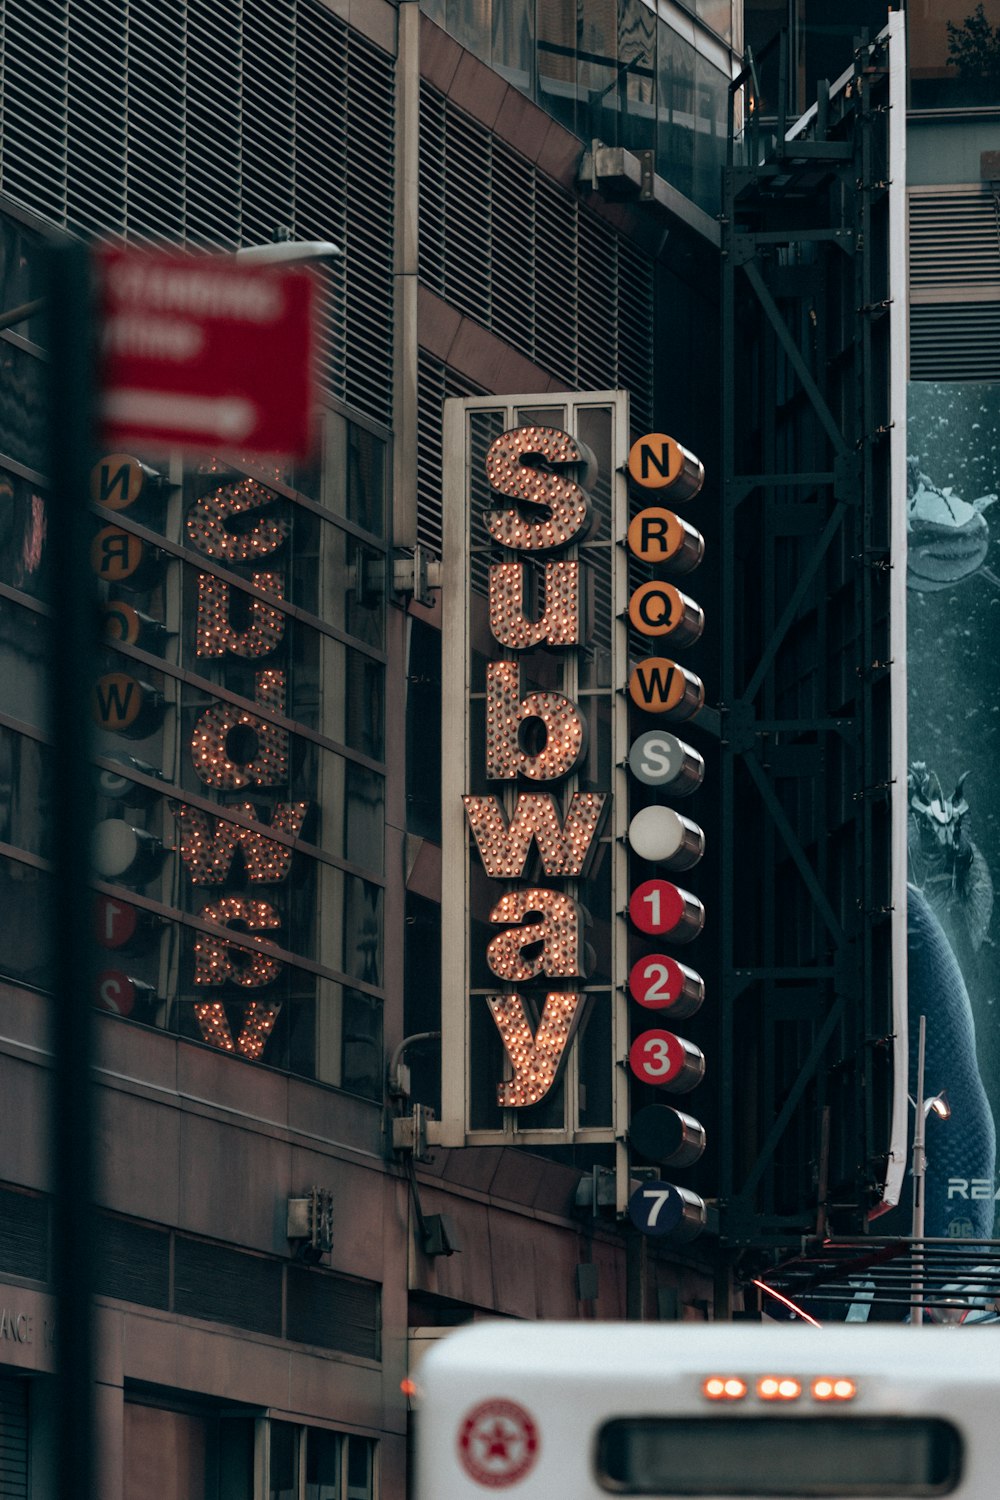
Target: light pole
919,1180
921,1108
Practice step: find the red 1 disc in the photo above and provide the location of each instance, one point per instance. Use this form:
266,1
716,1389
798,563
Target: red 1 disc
656,981
114,922
656,906
656,1057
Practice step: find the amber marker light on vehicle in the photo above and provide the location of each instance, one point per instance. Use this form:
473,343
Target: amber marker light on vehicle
724,1388
779,1388
829,1389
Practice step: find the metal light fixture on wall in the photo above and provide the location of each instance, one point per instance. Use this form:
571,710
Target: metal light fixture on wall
309,1224
283,250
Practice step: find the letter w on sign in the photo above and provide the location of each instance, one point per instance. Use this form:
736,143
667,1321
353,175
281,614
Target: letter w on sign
654,684
565,847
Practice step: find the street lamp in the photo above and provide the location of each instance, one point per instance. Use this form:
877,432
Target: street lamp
284,249
288,252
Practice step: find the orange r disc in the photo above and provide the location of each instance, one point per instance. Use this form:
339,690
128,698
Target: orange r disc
655,535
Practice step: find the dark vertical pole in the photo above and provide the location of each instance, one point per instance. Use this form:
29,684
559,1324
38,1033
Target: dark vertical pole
636,1275
71,667
722,1290
728,991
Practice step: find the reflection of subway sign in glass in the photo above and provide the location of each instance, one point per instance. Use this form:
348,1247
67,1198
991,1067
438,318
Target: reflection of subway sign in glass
118,480
116,554
663,766
239,700
233,750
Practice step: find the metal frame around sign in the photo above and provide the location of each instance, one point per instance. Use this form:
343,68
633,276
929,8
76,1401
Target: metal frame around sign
562,411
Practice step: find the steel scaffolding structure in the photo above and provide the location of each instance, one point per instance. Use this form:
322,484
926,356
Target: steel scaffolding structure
807,759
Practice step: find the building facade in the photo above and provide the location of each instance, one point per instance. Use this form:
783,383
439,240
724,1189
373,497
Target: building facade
267,863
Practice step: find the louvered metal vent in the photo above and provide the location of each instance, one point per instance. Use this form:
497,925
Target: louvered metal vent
507,247
213,124
14,1439
955,341
954,284
435,382
24,1236
227,1286
334,1312
954,239
133,1262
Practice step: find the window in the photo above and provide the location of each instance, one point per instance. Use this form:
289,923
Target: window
955,55
187,1454
306,1463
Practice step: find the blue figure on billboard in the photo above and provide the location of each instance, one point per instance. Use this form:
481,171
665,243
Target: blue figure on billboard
944,862
947,537
961,1153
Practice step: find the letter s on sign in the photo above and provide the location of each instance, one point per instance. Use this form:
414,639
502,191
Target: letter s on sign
550,509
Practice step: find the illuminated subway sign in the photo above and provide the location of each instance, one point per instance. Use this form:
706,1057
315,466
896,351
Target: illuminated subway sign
538,475
540,562
232,750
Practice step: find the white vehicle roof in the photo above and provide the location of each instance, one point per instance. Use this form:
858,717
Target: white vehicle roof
534,1396
499,1349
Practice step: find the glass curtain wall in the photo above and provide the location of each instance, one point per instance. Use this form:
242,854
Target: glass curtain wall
612,70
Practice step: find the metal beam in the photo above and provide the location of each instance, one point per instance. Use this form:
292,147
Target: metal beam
794,847
794,604
795,358
805,1076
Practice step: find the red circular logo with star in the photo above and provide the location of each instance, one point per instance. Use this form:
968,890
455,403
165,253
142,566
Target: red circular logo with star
498,1443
